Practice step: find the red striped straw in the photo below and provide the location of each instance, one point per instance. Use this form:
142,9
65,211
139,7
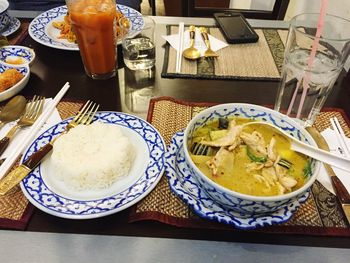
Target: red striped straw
311,59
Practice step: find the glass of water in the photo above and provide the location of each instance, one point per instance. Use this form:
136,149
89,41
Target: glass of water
306,82
139,51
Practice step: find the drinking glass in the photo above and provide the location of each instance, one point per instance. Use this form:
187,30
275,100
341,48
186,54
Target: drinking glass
139,51
307,82
93,23
139,88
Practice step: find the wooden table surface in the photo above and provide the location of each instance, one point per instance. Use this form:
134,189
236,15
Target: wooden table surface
53,67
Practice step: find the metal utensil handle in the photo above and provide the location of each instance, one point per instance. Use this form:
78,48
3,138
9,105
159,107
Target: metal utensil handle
19,173
4,142
206,39
37,157
342,193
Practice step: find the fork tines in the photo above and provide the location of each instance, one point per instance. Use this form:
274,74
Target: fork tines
34,107
87,113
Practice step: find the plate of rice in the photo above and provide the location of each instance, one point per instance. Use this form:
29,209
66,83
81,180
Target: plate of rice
95,170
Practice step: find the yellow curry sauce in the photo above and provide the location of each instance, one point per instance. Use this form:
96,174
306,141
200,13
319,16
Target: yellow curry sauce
234,175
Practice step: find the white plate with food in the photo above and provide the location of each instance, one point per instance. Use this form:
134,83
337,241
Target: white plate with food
184,184
12,79
42,29
54,189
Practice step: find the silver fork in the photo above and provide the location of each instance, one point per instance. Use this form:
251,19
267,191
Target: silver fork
33,110
85,116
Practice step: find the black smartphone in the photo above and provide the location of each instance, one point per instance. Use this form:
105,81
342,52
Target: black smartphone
235,28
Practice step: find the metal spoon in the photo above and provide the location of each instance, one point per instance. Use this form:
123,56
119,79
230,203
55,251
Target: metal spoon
13,109
191,52
314,152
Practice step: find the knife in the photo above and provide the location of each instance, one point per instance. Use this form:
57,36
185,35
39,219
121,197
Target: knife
19,173
341,192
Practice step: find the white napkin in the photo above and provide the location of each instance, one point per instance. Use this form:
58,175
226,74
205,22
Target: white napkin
23,132
335,148
199,43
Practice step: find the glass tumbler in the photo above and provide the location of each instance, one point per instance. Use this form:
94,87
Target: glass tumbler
308,80
94,24
139,51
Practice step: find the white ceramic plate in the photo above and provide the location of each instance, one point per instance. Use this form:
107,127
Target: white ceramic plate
42,31
50,195
24,69
13,26
187,188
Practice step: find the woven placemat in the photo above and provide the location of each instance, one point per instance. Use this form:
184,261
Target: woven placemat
320,215
252,61
15,209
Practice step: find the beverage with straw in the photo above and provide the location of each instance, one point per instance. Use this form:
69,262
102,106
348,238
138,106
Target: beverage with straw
94,22
315,55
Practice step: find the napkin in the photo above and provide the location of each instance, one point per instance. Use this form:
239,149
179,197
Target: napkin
335,148
215,43
23,132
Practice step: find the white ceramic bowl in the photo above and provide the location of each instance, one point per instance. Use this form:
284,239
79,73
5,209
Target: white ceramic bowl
248,204
16,55
4,17
18,86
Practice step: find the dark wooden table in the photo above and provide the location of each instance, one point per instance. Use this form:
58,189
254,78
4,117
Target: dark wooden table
54,67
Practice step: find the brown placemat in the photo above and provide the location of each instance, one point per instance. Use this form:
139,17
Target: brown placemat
252,61
320,215
15,209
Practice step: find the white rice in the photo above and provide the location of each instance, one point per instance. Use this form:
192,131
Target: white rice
92,157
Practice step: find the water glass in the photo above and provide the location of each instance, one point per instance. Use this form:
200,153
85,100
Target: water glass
139,88
139,51
94,23
306,82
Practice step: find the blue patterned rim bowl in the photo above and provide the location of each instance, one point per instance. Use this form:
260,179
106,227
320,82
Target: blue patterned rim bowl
242,203
17,55
4,17
10,92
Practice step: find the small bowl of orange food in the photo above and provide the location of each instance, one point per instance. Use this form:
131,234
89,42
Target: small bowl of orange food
13,79
16,55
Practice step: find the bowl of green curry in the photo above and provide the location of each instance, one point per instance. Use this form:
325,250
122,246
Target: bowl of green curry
248,168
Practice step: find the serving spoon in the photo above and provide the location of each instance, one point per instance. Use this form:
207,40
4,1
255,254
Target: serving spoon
13,109
191,52
314,152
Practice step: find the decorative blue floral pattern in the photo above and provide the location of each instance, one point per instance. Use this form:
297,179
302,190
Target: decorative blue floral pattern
12,27
184,184
4,19
17,51
40,195
39,26
24,69
257,113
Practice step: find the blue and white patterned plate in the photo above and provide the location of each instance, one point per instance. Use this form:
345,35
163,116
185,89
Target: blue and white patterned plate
50,195
42,31
12,27
183,183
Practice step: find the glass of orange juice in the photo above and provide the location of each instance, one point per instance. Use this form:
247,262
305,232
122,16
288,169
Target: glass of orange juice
94,23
